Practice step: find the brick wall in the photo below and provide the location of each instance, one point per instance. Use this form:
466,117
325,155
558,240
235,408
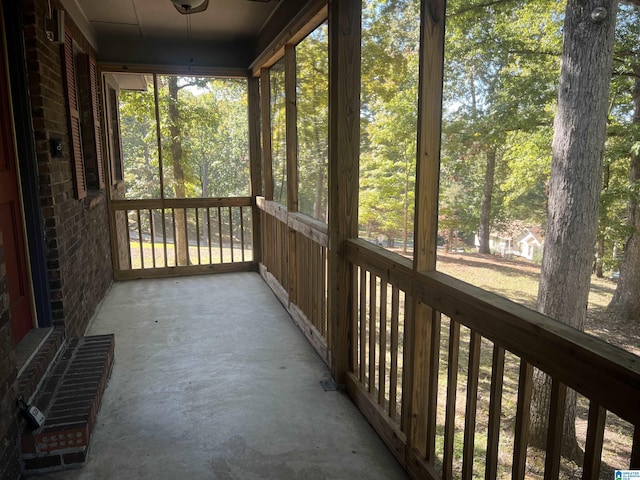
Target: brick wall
76,231
9,469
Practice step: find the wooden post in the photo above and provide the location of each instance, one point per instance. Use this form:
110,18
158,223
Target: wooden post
291,131
256,163
344,149
424,324
291,115
265,113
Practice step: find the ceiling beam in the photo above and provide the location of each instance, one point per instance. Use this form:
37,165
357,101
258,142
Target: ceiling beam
192,56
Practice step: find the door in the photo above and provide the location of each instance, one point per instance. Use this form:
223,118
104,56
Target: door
11,217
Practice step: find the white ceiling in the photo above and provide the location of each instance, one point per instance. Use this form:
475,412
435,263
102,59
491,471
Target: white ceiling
224,20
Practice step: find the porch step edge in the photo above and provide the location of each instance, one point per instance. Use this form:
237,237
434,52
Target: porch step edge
70,398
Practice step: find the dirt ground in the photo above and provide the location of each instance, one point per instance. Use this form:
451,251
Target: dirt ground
600,322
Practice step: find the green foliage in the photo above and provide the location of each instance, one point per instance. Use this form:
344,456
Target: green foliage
312,97
278,132
213,129
390,42
501,67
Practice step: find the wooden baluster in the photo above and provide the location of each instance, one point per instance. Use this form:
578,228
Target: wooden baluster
126,219
186,235
231,233
554,433
153,238
220,233
593,447
164,236
452,390
363,323
525,384
175,237
242,233
393,374
382,367
634,464
209,235
495,410
140,239
372,332
471,407
432,392
198,235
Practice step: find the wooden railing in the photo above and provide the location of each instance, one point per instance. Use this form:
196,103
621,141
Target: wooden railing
294,264
477,377
154,238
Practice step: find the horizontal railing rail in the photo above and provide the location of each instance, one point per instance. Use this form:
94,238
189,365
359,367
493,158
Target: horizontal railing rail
181,236
479,342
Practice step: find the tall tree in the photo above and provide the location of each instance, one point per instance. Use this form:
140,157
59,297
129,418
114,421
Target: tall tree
574,187
500,78
626,300
179,185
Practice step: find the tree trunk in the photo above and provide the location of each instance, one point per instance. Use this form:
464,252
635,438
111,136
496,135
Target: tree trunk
485,214
574,188
626,300
182,248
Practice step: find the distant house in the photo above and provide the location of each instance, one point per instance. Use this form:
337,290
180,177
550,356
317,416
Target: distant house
529,243
499,244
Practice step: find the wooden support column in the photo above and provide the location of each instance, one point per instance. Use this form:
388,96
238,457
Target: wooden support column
291,131
256,164
344,149
291,115
265,113
424,322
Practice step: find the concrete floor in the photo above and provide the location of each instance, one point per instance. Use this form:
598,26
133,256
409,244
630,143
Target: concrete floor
212,380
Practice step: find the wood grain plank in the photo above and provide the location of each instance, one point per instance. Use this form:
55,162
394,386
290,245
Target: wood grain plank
635,450
495,411
595,437
255,162
393,374
382,362
291,126
363,326
344,153
381,423
373,288
182,271
554,433
597,370
452,392
181,203
521,434
471,406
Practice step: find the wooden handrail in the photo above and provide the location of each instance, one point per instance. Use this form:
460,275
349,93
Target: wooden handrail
309,227
158,203
601,372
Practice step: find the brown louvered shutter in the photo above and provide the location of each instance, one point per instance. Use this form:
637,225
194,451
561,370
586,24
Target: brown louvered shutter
95,108
113,126
75,137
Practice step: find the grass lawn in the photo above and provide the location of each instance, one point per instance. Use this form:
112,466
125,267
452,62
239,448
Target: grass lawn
518,281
